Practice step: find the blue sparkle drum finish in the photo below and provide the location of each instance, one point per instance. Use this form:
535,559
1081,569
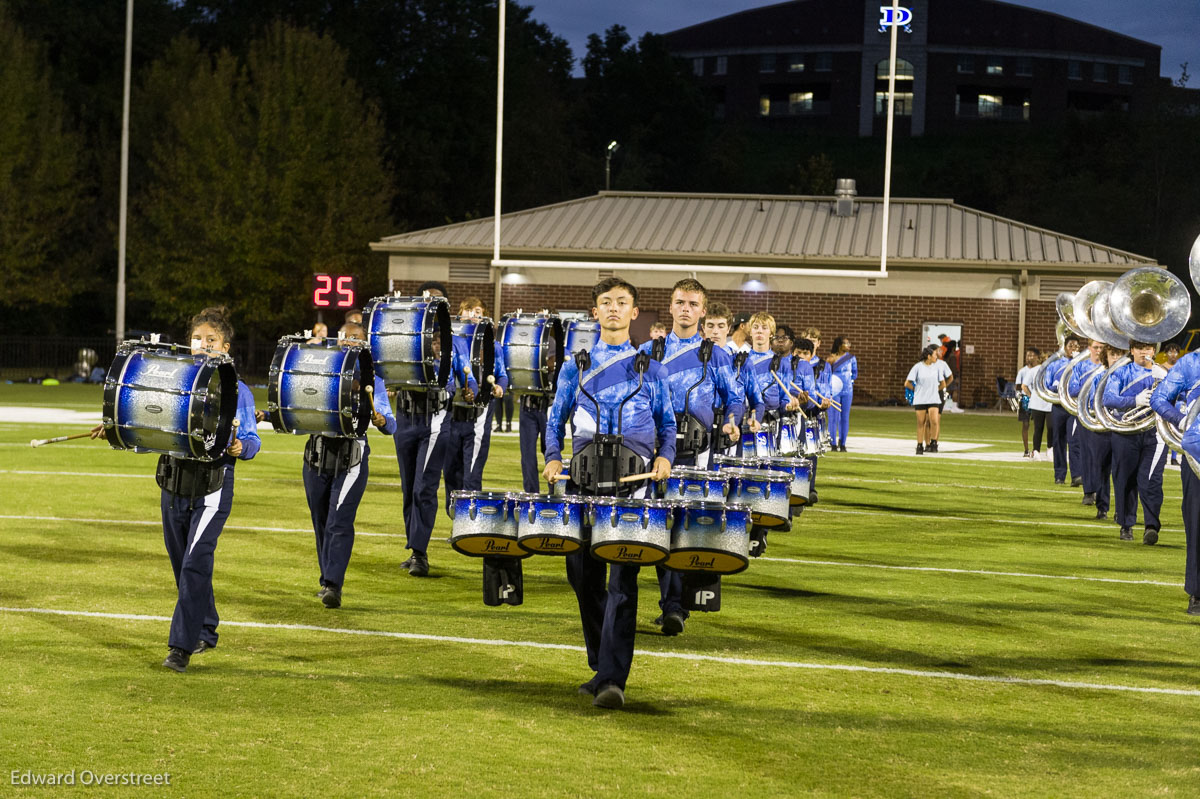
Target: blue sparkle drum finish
758,445
559,488
811,445
410,341
720,462
800,470
685,483
824,442
580,334
787,442
550,525
317,389
161,398
765,492
631,531
710,537
480,336
533,351
484,524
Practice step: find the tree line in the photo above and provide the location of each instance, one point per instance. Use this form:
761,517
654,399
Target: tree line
274,138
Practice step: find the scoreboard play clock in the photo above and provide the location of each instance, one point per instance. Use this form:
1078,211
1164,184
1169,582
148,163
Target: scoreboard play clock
334,291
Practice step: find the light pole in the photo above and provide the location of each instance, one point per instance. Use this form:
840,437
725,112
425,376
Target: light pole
612,148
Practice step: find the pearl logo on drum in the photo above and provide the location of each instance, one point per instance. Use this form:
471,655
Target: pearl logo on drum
153,408
624,553
155,370
696,562
491,545
545,543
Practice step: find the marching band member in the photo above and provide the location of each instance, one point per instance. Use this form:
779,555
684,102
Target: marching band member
1138,458
716,328
195,503
1182,383
1059,418
421,448
1102,452
1172,353
1087,439
844,366
335,476
700,375
811,399
616,375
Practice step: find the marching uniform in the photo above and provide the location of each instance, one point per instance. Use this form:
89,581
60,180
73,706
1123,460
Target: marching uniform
196,500
469,435
770,400
647,427
1060,425
335,476
1183,383
846,369
421,448
1097,447
1138,458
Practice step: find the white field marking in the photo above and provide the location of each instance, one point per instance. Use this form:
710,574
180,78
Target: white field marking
928,516
732,661
970,571
775,560
841,478
240,479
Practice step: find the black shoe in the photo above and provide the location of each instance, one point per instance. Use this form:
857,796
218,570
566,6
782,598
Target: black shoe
1101,515
1193,606
203,646
321,593
332,598
841,448
177,660
672,624
406,565
1126,533
1059,482
812,497
658,621
920,449
1089,499
588,688
1150,537
420,566
1076,482
508,428
932,447
610,696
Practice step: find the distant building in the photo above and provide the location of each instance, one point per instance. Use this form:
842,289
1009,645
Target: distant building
962,64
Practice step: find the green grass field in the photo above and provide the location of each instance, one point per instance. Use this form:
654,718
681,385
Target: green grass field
916,634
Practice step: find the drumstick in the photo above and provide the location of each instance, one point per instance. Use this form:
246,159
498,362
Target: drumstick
632,477
799,410
38,442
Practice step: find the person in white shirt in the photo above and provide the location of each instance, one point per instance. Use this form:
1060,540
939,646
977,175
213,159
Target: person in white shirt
923,389
1024,384
1039,409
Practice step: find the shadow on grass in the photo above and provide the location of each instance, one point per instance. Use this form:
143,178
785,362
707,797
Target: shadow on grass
548,694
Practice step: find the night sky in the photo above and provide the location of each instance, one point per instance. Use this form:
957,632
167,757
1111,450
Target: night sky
1172,24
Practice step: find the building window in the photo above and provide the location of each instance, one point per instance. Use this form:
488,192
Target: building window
966,65
766,62
698,67
990,106
1024,66
1075,70
800,103
904,70
995,65
904,102
796,62
1124,74
764,105
1100,73
823,62
722,65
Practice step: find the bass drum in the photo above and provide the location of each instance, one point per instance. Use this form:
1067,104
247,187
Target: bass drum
480,337
315,389
411,341
533,351
581,334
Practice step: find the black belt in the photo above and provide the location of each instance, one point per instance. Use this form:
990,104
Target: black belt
466,413
185,477
421,403
534,402
329,456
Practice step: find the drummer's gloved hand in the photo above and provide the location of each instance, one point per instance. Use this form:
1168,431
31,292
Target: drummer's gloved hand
661,469
825,403
552,471
1143,398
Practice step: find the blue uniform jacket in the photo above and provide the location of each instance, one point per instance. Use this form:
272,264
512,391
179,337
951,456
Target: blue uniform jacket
1125,384
460,366
719,390
846,367
1182,381
462,355
1079,376
824,379
804,378
247,429
758,371
648,421
751,397
384,406
1054,372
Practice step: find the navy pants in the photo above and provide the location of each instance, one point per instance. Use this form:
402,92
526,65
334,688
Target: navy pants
1191,528
1058,440
670,582
467,443
532,429
333,503
1097,479
608,613
1076,452
191,527
1138,462
420,450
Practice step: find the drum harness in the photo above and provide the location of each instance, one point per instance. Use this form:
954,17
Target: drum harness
691,437
739,361
329,455
421,403
188,477
600,464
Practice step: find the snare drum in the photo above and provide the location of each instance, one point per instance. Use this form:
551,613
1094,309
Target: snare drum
801,471
758,445
311,388
559,486
787,443
533,351
550,525
484,524
480,337
811,445
410,341
580,334
730,462
765,492
631,531
823,439
690,484
710,537
161,398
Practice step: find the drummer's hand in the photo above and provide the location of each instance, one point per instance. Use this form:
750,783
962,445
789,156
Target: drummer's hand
379,420
552,471
97,431
825,403
468,394
802,395
729,429
793,405
661,469
754,425
260,416
235,448
497,391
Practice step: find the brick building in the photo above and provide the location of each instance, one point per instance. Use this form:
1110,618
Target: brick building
823,64
807,260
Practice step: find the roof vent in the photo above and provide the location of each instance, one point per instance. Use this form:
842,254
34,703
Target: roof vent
845,193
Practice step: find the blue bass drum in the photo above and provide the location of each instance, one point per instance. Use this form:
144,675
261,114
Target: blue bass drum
484,524
481,343
686,483
631,531
315,389
580,334
533,351
710,537
161,398
410,341
550,525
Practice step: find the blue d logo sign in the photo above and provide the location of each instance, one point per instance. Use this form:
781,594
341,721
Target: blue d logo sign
903,17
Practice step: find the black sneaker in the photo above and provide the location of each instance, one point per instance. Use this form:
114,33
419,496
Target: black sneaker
406,565
920,449
1193,606
588,688
841,448
672,624
1126,533
321,593
1089,499
610,696
508,428
1150,537
932,447
419,567
1076,482
658,621
1101,515
332,598
1059,482
202,647
177,660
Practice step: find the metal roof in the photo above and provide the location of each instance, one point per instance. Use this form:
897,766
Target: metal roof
775,230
